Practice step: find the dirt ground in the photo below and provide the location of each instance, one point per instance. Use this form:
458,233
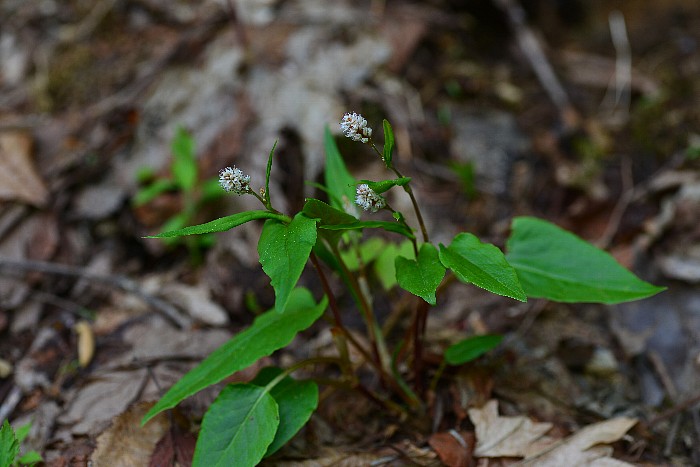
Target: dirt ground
585,113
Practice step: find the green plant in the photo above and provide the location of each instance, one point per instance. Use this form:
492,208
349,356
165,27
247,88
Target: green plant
9,446
250,421
184,179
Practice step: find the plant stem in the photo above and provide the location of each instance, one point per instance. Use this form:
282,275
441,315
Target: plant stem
375,332
419,323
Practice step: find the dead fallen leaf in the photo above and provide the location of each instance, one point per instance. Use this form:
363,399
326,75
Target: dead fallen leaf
91,407
196,301
582,448
18,177
498,436
126,443
176,448
452,448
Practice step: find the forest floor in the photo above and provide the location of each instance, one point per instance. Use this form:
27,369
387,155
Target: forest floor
584,113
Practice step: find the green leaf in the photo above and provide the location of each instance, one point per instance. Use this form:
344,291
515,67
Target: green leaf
297,400
175,223
237,428
269,332
385,266
267,175
481,264
30,458
327,215
471,348
152,191
222,224
423,275
22,432
385,185
184,168
368,251
284,250
557,265
9,446
340,183
388,226
388,143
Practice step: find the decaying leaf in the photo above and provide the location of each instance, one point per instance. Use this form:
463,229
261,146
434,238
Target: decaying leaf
498,436
452,448
520,437
18,177
583,448
126,443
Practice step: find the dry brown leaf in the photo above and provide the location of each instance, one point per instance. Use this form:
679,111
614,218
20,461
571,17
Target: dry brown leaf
126,443
175,448
452,448
498,436
582,448
18,177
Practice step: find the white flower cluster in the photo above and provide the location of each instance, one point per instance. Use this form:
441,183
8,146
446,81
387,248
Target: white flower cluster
355,127
368,199
234,180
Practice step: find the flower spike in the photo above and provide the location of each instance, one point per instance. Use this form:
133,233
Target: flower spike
234,180
368,199
355,127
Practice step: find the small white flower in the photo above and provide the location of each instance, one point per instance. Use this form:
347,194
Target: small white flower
355,127
368,199
234,180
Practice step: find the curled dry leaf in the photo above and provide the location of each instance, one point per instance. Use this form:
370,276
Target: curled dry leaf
498,436
18,177
520,437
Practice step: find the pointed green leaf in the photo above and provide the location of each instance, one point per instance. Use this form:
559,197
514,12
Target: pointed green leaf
340,183
267,175
9,446
238,427
388,143
184,168
471,348
385,185
269,332
334,219
222,224
284,250
297,400
555,264
423,275
388,226
481,264
30,458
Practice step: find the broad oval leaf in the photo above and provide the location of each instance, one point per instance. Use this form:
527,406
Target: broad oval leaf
269,332
471,348
284,250
238,427
423,275
385,265
222,224
297,400
481,264
557,265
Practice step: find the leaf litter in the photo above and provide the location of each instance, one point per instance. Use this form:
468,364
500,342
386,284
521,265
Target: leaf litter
66,180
